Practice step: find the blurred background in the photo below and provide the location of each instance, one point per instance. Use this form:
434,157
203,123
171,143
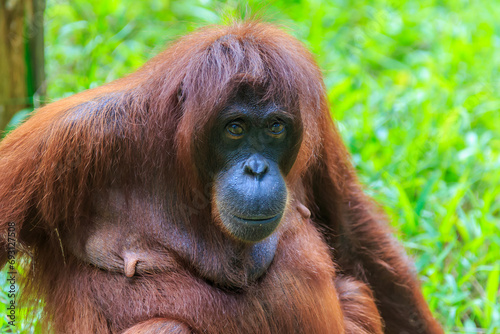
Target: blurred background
413,86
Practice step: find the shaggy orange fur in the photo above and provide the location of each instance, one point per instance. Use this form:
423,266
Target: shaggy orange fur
124,153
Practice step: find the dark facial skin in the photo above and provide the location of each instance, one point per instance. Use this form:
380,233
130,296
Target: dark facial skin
255,147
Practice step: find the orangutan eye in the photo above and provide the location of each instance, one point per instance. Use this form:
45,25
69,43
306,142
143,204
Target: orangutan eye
235,129
276,128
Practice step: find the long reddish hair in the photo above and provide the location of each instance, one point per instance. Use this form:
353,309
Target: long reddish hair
146,129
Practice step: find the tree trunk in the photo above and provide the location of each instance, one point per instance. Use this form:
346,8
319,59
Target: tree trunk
21,56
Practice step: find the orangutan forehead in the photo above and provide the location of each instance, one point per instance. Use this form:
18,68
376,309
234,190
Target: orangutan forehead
252,105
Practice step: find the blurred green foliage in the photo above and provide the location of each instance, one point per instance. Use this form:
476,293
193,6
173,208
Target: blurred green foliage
414,88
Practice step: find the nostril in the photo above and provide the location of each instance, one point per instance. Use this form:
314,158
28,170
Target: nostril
256,166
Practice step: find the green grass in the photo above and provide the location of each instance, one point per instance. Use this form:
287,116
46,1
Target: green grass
414,86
